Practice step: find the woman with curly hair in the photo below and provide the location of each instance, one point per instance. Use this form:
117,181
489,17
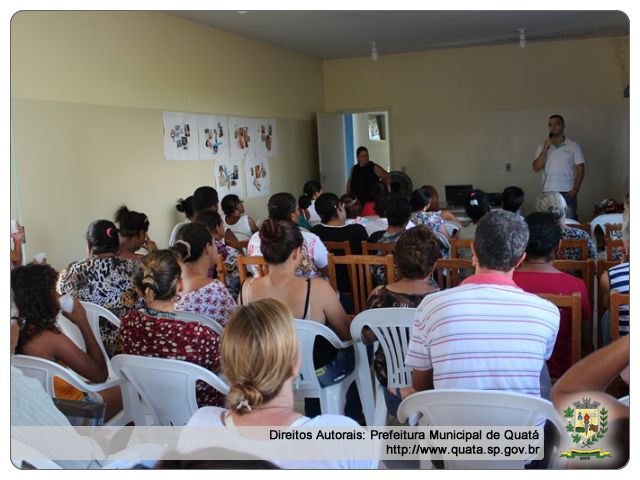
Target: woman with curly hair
133,229
40,336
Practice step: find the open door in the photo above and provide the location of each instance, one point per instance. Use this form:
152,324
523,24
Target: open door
332,152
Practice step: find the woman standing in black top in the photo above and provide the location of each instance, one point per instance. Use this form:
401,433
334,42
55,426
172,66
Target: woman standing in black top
364,175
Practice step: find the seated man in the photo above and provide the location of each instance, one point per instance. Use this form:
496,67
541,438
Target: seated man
486,334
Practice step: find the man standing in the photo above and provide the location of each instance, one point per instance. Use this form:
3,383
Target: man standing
487,333
563,165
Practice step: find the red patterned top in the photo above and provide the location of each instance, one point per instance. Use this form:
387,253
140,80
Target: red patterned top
144,333
212,300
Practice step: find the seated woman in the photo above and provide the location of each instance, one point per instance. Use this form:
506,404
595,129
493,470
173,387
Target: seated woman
40,336
378,190
617,278
311,191
133,229
200,293
183,206
353,208
103,279
416,254
537,275
555,204
434,206
213,223
154,330
315,258
281,245
238,226
420,215
260,358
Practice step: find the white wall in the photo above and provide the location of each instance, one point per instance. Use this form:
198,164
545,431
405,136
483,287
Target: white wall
378,149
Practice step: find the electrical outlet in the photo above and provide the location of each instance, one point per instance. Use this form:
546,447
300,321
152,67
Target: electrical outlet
507,167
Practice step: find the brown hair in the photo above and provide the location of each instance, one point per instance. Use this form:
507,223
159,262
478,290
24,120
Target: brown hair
278,238
157,275
416,252
259,349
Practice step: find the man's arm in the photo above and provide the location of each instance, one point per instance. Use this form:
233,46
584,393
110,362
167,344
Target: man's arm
386,178
538,163
578,181
422,380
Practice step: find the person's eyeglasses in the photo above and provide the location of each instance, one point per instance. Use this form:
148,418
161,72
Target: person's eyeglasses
20,321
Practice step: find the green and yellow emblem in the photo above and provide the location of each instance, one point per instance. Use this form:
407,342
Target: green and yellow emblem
586,425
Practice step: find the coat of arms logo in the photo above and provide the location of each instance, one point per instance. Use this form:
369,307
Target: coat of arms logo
586,425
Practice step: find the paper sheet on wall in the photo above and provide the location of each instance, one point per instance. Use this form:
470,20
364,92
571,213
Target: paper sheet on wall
213,134
241,138
228,179
266,138
258,176
180,136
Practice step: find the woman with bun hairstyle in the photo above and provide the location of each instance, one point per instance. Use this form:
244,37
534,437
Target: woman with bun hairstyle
154,331
310,192
35,296
420,215
133,229
183,206
238,226
103,278
201,294
315,257
260,358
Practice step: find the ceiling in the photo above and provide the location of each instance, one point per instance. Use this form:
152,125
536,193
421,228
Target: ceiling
343,34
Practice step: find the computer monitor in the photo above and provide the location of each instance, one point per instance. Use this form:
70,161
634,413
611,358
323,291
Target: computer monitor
456,194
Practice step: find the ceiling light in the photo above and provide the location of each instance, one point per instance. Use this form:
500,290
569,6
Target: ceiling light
242,12
374,51
523,37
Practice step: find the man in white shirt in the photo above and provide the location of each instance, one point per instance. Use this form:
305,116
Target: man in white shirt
562,162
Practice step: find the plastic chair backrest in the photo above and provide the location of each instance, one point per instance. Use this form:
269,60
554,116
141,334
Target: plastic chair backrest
464,407
199,318
602,220
166,386
392,328
360,276
452,227
307,331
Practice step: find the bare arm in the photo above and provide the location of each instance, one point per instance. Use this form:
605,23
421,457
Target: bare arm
538,163
252,225
231,239
422,380
578,181
331,308
384,176
604,288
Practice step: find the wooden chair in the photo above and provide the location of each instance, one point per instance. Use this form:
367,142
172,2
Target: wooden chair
374,248
220,269
360,278
457,245
611,245
616,299
582,244
260,262
574,302
582,226
601,267
587,271
339,248
448,271
609,228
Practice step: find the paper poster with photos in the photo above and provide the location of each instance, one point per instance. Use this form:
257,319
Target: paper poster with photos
180,136
228,179
242,136
213,137
258,176
266,138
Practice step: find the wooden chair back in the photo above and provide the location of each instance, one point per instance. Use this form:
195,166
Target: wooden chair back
220,269
615,300
243,261
360,277
582,226
573,302
339,248
456,245
375,248
611,245
582,244
609,228
587,269
448,271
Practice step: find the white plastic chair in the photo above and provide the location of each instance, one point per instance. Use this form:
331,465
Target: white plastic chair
45,371
464,407
21,452
307,385
392,329
201,319
451,227
602,220
167,386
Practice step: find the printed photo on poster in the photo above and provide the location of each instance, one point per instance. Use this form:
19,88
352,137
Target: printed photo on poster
266,133
241,138
258,177
228,179
180,136
213,137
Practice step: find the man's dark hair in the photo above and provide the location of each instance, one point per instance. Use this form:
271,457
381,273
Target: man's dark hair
501,239
205,198
398,210
512,198
544,235
555,115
